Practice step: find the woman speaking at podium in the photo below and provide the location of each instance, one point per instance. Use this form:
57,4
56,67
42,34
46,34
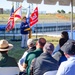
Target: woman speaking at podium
24,26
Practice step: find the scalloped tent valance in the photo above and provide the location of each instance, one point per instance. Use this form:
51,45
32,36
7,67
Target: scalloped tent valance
52,2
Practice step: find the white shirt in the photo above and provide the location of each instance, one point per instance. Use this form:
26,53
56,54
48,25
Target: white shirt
67,67
22,60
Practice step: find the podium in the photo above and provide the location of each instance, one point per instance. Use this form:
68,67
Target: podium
30,31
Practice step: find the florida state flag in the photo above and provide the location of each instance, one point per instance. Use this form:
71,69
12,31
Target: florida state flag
13,17
34,17
18,13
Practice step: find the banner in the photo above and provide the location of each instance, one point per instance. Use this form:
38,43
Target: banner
34,17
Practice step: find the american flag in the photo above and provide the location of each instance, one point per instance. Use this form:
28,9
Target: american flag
10,23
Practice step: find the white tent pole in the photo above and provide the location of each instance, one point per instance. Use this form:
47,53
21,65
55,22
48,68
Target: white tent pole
71,19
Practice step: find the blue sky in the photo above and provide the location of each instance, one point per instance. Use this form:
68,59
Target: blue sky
42,7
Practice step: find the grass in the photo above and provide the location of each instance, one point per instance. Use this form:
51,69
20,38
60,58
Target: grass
17,51
42,17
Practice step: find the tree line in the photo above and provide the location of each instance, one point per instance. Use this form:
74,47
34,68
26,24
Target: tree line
62,11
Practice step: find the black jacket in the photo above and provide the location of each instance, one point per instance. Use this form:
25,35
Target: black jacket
45,62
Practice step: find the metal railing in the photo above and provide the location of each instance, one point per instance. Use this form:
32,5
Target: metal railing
46,27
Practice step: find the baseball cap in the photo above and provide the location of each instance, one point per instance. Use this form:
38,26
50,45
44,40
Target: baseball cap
30,41
69,47
49,47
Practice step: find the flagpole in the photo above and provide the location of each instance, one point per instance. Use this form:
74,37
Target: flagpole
34,19
14,38
13,29
30,31
36,31
17,5
15,25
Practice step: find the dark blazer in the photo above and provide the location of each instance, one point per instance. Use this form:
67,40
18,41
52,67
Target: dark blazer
7,61
23,27
45,62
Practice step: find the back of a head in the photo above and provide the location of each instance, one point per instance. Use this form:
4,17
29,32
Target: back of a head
65,35
30,42
62,41
41,41
48,48
69,47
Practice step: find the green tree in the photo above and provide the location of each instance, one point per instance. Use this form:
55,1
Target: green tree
62,11
58,11
69,12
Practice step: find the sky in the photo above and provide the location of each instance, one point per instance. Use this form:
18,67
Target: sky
42,7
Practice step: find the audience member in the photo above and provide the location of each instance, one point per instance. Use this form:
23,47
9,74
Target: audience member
5,60
64,34
45,62
68,67
59,55
30,56
31,47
